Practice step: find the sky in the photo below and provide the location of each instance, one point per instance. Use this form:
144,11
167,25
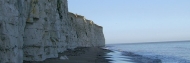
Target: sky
134,21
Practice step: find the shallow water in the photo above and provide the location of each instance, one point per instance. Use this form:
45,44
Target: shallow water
167,52
117,57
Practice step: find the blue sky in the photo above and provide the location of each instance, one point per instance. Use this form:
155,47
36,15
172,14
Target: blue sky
129,21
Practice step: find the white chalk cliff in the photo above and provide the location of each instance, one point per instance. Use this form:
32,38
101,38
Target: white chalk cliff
34,30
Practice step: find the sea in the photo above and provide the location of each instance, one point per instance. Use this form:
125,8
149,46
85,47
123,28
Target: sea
153,52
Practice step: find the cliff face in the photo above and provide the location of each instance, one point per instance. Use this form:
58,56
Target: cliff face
86,32
34,30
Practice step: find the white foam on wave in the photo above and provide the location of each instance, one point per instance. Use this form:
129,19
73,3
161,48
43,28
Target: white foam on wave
117,57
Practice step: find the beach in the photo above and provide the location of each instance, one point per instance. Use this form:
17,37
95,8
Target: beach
79,55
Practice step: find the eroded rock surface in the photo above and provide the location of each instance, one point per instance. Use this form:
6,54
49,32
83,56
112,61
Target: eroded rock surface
34,30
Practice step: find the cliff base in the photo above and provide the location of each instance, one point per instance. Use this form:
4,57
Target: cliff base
79,55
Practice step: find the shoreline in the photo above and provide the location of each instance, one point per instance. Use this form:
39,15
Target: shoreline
95,55
79,55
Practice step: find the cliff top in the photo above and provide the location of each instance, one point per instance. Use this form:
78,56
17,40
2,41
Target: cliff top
82,17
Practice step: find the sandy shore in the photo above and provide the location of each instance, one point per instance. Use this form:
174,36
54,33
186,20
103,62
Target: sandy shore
79,55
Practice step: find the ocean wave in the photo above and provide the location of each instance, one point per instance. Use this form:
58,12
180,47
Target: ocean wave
177,52
140,58
148,57
185,48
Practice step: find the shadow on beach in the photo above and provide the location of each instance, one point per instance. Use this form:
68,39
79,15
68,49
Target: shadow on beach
79,55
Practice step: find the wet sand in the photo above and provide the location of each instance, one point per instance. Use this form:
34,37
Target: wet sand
79,55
